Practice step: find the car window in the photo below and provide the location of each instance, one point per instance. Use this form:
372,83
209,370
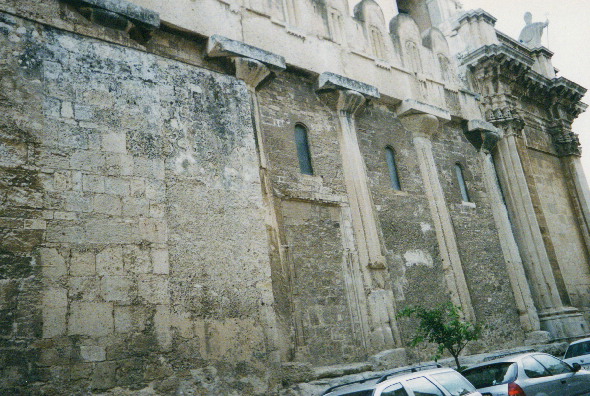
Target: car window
394,390
582,348
454,383
423,387
552,364
534,369
490,375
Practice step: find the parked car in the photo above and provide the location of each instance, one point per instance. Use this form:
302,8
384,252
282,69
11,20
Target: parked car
578,352
414,381
529,374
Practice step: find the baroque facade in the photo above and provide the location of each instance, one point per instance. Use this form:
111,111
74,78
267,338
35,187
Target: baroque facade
227,196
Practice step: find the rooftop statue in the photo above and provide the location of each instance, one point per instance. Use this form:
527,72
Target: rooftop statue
531,34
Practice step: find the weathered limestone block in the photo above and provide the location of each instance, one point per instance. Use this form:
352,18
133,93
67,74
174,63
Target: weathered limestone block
84,288
91,353
53,263
153,288
116,288
130,318
91,319
389,359
107,204
110,261
82,263
55,309
160,261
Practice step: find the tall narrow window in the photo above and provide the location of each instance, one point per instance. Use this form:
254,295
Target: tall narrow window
462,185
393,176
303,150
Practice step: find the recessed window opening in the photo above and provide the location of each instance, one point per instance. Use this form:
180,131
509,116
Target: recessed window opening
391,164
462,185
303,150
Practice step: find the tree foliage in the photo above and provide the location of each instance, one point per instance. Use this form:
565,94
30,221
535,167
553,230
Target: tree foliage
443,326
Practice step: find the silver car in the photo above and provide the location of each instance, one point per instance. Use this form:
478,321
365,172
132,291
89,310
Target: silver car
578,352
415,381
529,374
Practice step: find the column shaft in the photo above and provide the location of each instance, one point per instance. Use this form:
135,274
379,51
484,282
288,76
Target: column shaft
529,318
445,233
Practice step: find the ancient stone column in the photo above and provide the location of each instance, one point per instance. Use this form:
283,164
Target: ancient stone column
375,290
560,321
253,66
567,145
489,137
423,126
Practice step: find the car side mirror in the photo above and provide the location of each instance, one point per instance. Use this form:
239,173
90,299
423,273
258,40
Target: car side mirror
576,367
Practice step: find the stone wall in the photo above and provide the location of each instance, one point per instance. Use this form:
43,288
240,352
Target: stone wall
132,236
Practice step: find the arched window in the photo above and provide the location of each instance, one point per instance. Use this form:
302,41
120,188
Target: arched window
303,150
462,185
391,164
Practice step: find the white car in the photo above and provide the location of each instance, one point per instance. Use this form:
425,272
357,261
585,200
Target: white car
413,381
578,352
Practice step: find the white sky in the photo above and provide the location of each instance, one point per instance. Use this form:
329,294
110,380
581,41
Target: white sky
568,38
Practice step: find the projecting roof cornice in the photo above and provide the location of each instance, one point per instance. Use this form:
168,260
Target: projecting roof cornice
515,63
498,54
477,14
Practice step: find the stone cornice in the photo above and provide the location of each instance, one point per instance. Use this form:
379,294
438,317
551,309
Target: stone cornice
413,107
478,14
137,14
497,53
328,81
521,64
220,46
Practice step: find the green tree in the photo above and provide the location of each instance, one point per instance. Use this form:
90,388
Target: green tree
443,326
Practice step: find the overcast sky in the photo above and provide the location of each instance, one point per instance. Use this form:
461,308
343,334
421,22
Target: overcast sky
568,38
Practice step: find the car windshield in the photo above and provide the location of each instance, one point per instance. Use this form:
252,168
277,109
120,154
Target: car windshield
582,348
454,383
492,374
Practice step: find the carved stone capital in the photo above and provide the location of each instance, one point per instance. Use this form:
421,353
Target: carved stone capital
566,142
483,135
251,71
349,102
422,125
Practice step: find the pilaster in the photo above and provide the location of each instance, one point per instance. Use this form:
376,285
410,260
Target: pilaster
253,66
423,126
485,138
347,97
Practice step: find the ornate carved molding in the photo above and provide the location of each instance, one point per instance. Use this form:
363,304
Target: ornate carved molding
566,142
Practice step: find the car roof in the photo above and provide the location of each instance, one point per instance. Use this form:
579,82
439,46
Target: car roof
505,359
391,377
422,373
580,341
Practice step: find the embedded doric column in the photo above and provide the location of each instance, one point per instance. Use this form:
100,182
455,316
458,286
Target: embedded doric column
560,321
486,137
372,291
253,66
423,121
567,145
